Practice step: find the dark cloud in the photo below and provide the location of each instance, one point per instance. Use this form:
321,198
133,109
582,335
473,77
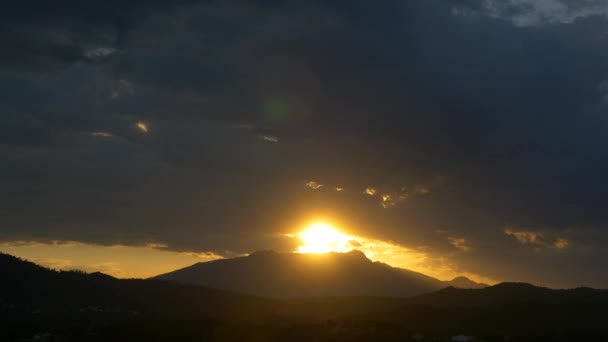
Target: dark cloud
503,124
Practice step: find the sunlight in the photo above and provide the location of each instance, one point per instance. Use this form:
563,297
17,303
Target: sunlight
321,237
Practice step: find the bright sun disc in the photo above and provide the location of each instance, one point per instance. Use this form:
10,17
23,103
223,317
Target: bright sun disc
323,238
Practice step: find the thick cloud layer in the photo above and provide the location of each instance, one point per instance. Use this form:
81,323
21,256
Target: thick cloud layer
480,126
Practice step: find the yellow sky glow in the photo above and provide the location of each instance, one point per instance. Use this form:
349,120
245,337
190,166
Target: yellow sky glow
321,237
154,259
118,261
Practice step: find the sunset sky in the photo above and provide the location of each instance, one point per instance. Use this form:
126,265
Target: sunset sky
450,137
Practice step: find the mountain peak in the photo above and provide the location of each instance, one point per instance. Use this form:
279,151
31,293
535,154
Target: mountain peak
263,253
287,275
355,253
465,283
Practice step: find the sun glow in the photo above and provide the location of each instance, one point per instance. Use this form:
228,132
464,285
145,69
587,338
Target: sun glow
323,238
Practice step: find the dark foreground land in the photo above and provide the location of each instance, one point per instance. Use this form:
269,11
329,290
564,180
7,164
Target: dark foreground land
37,304
118,327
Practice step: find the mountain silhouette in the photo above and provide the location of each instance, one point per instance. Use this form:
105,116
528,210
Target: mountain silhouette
508,294
31,286
98,307
290,275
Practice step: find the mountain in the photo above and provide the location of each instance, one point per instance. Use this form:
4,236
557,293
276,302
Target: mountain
289,275
38,303
512,309
509,294
31,287
464,283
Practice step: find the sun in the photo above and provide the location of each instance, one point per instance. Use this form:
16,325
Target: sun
321,237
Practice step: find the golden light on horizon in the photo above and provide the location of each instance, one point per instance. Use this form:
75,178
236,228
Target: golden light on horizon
321,237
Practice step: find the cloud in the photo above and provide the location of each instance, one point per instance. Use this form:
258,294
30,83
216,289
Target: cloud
355,243
370,191
99,52
395,94
543,12
561,243
538,239
156,245
527,237
314,185
387,201
270,138
119,261
102,134
397,255
142,126
459,243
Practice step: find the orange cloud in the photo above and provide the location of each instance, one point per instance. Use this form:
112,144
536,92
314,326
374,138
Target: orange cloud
142,126
314,185
370,191
459,243
527,237
537,238
561,243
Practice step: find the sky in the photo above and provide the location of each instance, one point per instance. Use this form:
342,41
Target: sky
447,136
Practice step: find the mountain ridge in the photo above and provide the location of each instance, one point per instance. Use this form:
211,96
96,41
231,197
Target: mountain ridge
33,293
509,293
290,275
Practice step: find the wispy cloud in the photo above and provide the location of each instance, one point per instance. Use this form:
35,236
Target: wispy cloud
561,243
269,138
122,87
527,237
99,52
102,134
537,238
537,12
314,185
156,245
387,201
460,243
